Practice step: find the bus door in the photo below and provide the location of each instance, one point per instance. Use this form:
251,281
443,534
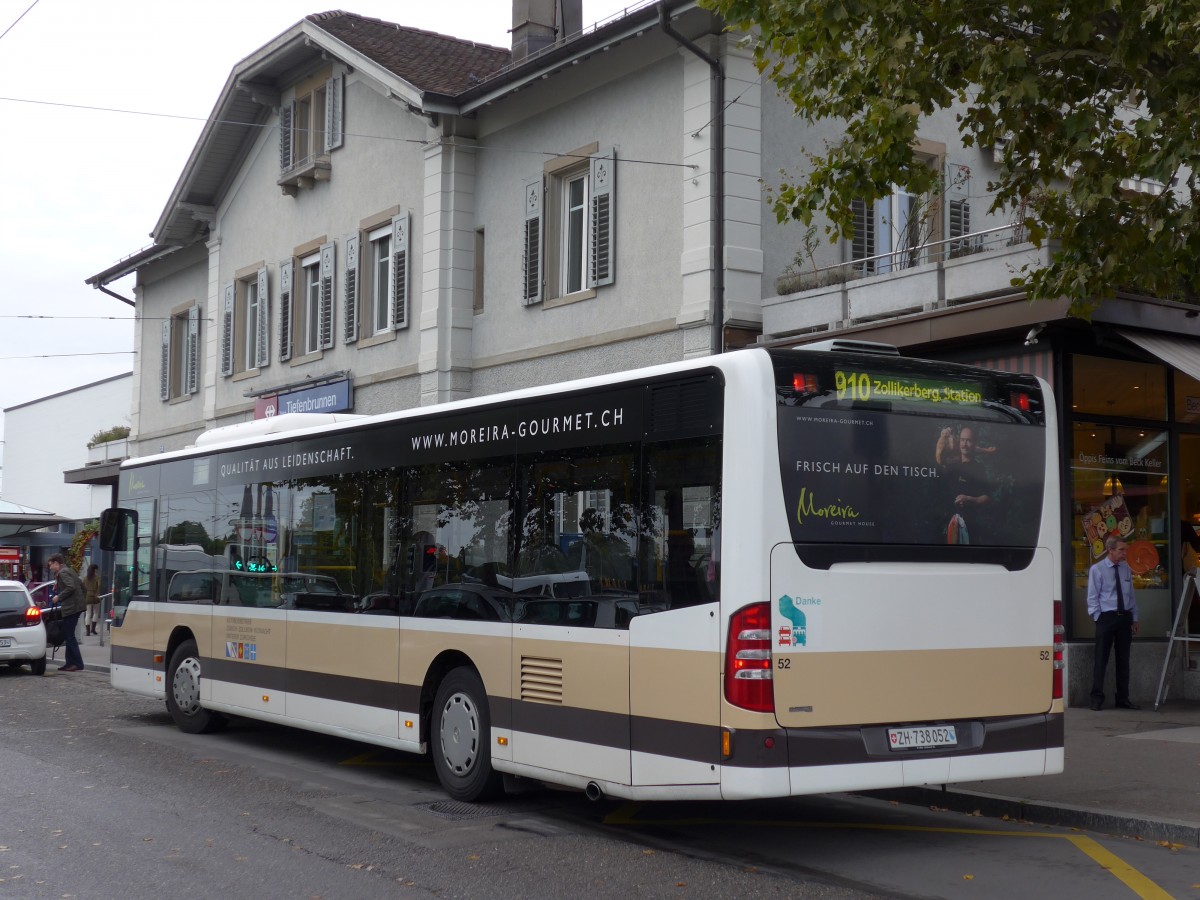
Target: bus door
570,710
675,698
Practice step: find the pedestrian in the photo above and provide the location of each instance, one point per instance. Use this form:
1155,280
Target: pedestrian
72,600
91,586
1111,603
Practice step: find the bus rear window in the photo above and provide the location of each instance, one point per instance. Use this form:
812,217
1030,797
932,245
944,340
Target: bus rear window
909,461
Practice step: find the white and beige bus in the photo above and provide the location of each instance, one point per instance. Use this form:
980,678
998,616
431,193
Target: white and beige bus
766,573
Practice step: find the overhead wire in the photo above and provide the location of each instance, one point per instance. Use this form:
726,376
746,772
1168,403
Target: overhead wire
375,137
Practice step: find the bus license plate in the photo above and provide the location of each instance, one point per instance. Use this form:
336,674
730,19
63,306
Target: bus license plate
921,738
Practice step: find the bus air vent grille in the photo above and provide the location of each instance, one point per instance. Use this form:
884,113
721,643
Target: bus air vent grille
687,408
541,679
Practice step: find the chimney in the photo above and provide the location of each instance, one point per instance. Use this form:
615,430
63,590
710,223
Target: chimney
538,24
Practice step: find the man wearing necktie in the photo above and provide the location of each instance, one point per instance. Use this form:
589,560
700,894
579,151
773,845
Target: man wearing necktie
1111,604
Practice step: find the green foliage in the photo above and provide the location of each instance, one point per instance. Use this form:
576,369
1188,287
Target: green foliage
1080,96
107,435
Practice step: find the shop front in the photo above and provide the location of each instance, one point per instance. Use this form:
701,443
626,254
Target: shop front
1133,431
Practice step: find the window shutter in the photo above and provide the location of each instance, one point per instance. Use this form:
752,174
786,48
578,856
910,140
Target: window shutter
531,291
603,238
192,376
334,94
958,205
862,245
398,295
350,294
285,309
227,332
287,116
262,348
164,366
325,336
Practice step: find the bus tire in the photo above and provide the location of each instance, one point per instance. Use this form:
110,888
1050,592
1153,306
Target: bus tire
183,693
461,742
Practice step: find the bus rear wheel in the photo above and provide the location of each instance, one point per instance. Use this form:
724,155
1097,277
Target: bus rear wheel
461,742
183,693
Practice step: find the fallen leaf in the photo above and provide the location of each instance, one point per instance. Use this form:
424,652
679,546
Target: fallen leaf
968,878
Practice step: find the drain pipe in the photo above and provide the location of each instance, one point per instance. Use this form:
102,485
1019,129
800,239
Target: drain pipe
717,340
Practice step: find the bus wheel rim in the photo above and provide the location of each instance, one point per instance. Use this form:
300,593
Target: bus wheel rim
460,734
185,686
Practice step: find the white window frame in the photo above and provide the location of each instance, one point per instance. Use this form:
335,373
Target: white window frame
309,321
574,228
379,280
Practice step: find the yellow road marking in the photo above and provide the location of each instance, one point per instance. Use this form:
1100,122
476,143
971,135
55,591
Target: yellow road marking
1134,880
626,814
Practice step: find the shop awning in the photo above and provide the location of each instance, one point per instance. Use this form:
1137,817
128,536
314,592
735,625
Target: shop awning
1181,353
17,519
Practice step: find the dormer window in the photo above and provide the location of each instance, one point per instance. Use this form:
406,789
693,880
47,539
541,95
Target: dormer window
310,126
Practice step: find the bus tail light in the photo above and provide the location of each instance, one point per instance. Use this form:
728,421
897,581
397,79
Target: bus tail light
1059,662
805,383
748,659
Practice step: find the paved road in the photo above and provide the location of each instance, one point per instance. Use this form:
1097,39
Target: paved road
109,787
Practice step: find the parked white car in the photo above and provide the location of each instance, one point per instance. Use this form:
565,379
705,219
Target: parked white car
22,632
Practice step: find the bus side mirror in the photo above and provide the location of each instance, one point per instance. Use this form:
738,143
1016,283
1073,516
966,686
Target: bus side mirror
115,527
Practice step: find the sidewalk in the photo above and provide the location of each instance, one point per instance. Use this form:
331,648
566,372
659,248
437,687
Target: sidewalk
1131,772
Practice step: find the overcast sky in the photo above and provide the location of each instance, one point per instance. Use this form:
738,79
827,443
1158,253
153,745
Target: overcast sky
102,102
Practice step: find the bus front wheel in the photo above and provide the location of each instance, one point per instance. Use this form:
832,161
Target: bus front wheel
183,692
461,742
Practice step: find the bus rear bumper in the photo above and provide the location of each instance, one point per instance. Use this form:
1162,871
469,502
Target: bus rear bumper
825,760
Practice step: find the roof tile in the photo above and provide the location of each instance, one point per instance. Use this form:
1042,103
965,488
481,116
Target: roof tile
427,60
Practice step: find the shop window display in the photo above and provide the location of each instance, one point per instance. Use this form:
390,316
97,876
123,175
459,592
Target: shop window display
1120,488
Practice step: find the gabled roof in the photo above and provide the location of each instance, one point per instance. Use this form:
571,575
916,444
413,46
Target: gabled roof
426,60
432,73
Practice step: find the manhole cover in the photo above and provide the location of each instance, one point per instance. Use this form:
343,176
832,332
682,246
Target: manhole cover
454,809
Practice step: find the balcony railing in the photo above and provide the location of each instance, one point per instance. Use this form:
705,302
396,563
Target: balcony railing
975,266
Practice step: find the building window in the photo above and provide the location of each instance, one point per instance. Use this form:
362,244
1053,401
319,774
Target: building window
306,301
310,126
376,286
905,229
179,368
379,243
308,337
244,323
569,235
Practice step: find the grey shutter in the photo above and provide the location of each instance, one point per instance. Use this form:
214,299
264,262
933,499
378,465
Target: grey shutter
603,181
334,94
262,347
398,295
287,116
192,360
285,309
531,274
325,324
862,245
164,370
227,332
350,297
958,206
